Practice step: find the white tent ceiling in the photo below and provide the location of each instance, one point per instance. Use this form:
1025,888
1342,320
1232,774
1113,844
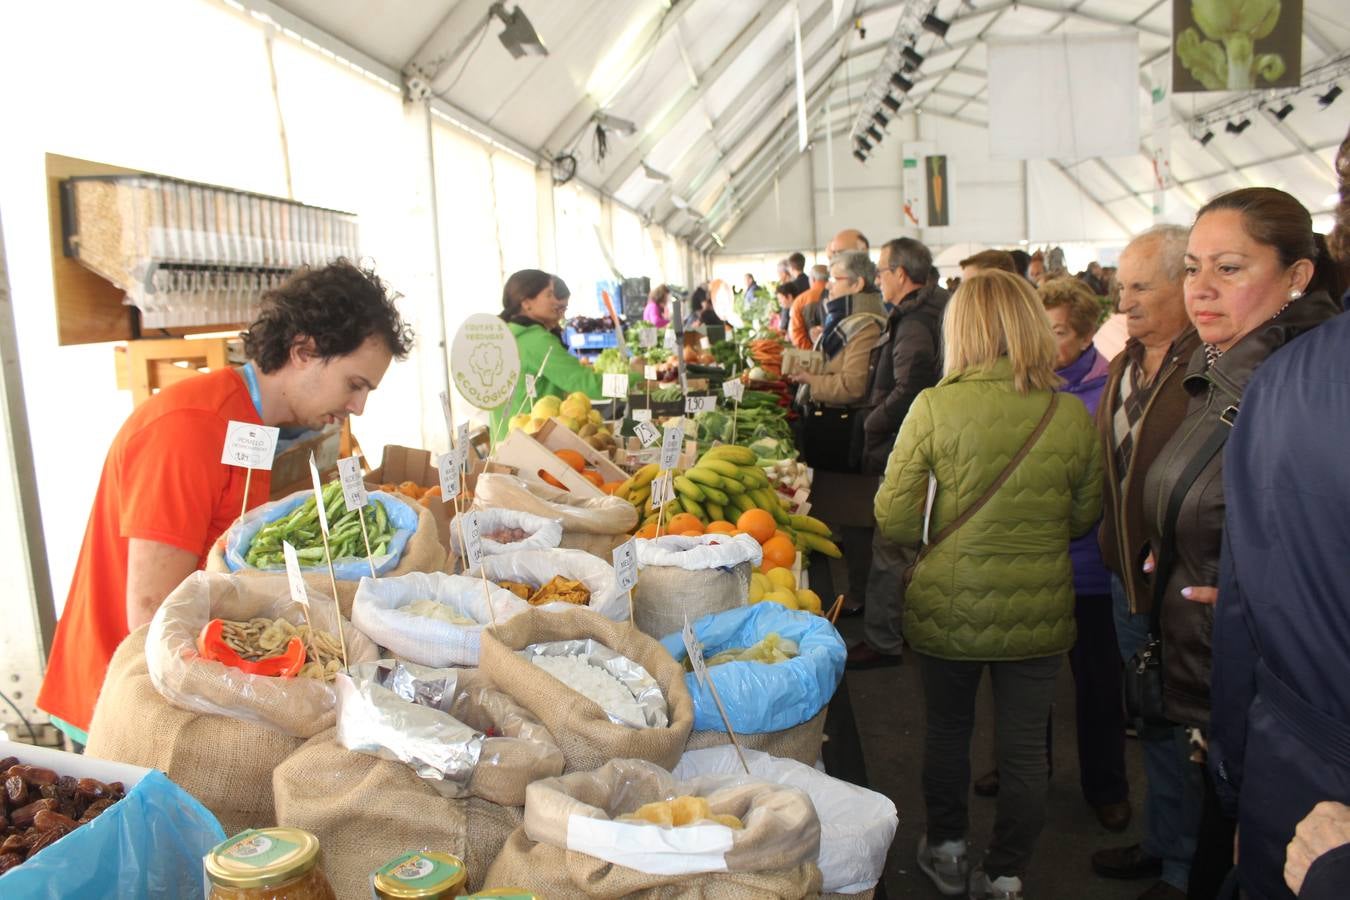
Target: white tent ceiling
710,87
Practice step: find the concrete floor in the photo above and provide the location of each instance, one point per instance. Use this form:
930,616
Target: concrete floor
887,708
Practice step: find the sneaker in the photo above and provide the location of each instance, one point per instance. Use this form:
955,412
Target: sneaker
1004,887
945,865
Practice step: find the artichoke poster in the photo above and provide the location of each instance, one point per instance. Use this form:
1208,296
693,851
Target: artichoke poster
1236,45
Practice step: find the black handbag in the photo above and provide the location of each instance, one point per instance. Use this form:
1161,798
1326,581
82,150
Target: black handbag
1144,672
828,436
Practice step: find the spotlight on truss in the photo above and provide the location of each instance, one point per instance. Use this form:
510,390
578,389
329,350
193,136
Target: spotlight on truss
1206,137
1238,127
890,103
873,134
860,156
901,82
1283,112
913,58
880,118
1329,97
935,25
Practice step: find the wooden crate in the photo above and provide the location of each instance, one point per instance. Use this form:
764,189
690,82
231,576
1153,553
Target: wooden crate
528,457
556,436
147,366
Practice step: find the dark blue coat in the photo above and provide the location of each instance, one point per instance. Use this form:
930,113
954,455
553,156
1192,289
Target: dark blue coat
1280,727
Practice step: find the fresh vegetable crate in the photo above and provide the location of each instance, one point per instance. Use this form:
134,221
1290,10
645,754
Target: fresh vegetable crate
528,457
556,436
400,464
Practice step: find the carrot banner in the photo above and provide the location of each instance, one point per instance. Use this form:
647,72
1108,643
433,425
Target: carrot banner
939,209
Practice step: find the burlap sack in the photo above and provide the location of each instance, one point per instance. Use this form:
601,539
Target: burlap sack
522,752
366,811
586,736
423,553
776,847
550,871
225,763
801,743
690,577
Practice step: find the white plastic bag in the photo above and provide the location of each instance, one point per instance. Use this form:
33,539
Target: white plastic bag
539,566
378,613
856,825
541,533
594,515
708,551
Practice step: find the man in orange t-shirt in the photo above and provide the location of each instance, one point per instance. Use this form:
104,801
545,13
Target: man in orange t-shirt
798,330
320,345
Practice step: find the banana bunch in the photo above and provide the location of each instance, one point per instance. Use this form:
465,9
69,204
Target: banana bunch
724,484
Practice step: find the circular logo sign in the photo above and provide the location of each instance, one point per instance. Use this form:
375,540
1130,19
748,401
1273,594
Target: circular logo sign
484,361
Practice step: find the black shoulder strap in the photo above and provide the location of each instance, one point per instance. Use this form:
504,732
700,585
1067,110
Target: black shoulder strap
1165,555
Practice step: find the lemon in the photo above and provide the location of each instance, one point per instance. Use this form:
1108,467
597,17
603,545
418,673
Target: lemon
546,407
782,597
594,417
518,422
580,397
782,578
808,600
759,578
756,592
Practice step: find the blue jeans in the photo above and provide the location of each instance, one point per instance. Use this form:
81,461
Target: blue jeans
1175,795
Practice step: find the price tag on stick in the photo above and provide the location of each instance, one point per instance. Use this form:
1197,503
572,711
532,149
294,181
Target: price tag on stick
663,490
327,551
699,404
647,337
625,564
615,385
448,467
647,433
296,579
473,540
670,444
531,389
251,447
649,373
734,390
670,341
700,667
355,497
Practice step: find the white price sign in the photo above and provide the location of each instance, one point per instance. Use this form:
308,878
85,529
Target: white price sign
625,564
695,651
734,390
448,466
670,444
318,493
671,341
700,404
462,442
353,483
647,337
615,384
531,389
641,415
249,446
294,577
663,490
473,540
649,373
647,433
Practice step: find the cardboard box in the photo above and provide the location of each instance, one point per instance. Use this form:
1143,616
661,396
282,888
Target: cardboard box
529,458
808,361
400,464
290,469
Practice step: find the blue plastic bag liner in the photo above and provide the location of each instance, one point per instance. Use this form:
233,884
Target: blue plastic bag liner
148,845
240,536
763,697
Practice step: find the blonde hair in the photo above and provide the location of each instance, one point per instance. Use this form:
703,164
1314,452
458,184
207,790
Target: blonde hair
995,314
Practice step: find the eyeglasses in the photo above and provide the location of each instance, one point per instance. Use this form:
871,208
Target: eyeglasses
881,269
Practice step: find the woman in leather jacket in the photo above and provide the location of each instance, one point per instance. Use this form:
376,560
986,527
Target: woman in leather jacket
1249,291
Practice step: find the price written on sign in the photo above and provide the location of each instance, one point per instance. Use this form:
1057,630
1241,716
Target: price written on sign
695,651
647,433
647,337
699,404
663,490
531,389
615,384
625,564
353,483
473,540
462,441
249,446
448,466
293,576
734,390
670,444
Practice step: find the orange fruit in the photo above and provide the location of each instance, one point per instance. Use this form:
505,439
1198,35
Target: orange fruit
683,522
785,536
757,523
720,527
549,479
779,551
646,531
691,532
572,458
594,477
609,487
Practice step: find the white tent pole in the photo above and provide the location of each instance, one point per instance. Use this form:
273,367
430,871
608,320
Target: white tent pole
443,349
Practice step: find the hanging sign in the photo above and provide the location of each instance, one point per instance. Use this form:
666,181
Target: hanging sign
484,361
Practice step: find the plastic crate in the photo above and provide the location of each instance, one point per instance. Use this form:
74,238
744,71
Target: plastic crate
595,340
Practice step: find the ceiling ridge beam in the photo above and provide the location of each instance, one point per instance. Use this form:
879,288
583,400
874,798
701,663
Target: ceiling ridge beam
1075,12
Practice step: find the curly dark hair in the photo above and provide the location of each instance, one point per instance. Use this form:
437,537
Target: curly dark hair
339,306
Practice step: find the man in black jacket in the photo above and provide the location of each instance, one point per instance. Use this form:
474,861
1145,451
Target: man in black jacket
907,359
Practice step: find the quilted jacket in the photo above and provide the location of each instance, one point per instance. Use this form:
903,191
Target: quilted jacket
1001,587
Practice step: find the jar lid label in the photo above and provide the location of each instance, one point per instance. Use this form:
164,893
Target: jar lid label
421,870
258,850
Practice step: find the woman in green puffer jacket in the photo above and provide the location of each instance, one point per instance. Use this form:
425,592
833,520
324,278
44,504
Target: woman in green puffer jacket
998,590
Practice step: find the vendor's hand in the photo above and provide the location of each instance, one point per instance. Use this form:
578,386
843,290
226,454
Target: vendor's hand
1325,828
798,378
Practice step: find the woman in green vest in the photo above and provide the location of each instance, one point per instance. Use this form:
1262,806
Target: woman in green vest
996,477
533,306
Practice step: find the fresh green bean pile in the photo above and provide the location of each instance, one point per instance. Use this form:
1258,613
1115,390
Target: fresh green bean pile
301,529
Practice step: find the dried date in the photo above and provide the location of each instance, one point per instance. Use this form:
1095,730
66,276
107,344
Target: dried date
38,807
93,810
9,861
32,774
23,817
46,839
48,819
93,788
14,844
16,791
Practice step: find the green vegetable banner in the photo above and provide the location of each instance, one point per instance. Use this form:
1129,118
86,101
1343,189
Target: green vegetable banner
1236,45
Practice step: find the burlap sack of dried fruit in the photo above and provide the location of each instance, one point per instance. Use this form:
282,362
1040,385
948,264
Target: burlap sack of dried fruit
366,811
595,525
801,742
690,577
214,730
449,726
557,574
587,736
593,833
422,552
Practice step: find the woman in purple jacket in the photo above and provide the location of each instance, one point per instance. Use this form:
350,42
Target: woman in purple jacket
1074,313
